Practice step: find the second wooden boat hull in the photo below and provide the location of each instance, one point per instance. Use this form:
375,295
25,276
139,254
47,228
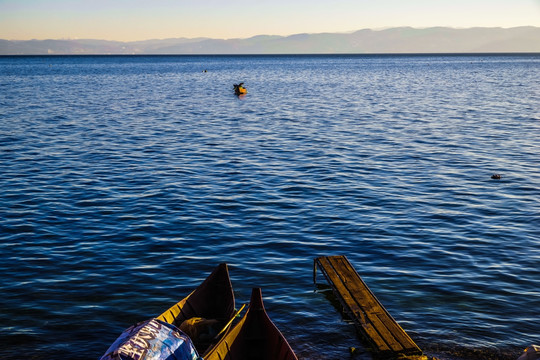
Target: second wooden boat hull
254,337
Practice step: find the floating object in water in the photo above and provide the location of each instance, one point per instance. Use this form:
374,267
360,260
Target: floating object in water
496,176
239,89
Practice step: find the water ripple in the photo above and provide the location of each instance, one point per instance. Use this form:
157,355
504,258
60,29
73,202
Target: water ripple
122,188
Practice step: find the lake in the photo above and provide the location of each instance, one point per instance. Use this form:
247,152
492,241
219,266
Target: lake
126,179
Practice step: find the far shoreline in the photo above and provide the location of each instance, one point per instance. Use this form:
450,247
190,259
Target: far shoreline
419,54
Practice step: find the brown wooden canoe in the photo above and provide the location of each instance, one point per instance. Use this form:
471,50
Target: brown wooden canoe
254,337
212,299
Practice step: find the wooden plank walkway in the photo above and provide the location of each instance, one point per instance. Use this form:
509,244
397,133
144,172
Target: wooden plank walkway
386,338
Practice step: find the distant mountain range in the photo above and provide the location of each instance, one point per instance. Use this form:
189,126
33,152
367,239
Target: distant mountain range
393,40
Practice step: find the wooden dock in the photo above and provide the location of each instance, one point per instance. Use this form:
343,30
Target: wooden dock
386,339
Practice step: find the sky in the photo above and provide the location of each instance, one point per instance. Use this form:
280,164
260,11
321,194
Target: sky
132,20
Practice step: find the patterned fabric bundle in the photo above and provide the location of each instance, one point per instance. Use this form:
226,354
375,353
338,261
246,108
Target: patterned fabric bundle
152,340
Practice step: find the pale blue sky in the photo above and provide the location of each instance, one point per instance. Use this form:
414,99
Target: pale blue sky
128,20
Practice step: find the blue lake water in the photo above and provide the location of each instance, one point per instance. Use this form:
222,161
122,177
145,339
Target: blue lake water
125,180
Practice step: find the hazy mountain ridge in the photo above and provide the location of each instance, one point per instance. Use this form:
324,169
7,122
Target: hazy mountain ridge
393,40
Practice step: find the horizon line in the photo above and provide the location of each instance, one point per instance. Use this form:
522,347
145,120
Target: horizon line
495,53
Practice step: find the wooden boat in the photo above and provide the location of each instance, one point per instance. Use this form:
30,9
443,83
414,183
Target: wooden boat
213,299
240,89
254,337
